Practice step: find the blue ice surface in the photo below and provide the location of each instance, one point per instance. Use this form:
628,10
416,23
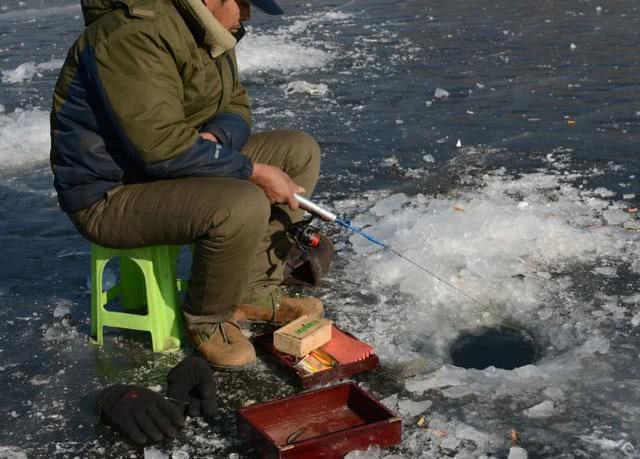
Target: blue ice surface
518,90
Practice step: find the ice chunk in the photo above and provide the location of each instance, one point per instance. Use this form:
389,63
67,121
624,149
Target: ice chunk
594,344
602,442
179,454
440,93
11,452
413,408
467,432
541,410
429,159
61,310
391,402
572,46
635,320
515,452
457,392
553,392
459,143
450,444
608,271
60,332
305,87
153,453
615,216
373,452
444,376
390,204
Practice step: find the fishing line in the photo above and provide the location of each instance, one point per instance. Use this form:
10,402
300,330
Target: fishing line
333,218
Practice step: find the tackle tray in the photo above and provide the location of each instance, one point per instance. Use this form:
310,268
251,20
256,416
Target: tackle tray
327,423
337,373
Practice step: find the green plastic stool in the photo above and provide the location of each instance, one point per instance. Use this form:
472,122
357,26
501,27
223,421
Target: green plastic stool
147,277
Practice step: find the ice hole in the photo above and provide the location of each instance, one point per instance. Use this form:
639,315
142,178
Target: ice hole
504,346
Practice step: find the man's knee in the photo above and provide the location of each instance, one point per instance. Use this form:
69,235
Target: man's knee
248,211
303,153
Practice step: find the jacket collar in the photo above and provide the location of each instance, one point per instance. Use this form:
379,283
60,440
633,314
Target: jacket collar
205,27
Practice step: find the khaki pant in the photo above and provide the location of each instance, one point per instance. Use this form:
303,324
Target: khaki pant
240,239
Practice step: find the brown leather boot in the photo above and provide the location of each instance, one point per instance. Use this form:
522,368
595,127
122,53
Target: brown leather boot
224,345
277,308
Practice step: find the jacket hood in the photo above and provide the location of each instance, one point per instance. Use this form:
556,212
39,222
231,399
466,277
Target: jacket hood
203,25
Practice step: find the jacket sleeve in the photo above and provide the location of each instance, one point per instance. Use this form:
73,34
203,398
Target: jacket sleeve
233,127
139,91
231,130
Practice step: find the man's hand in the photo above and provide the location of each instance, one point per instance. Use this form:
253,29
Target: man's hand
209,136
276,184
192,382
141,414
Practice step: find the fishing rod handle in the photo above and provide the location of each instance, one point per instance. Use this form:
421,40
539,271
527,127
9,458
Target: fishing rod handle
315,209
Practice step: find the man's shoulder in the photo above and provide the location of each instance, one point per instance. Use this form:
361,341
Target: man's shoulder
135,16
152,9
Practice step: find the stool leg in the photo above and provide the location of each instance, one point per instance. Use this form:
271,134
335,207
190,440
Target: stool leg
98,296
162,301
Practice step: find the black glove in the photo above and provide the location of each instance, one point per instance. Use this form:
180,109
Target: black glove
141,414
192,382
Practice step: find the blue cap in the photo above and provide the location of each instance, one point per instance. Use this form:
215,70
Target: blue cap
267,6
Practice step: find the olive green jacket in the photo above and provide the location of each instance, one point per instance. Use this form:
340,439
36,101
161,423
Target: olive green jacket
143,78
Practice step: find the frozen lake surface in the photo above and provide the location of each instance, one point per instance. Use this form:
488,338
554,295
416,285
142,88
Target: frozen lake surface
495,143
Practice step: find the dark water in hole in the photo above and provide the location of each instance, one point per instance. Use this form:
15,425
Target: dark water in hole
501,347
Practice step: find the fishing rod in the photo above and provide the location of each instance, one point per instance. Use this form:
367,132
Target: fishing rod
328,216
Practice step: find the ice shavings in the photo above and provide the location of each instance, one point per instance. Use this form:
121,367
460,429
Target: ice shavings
27,71
24,138
511,257
268,53
607,443
522,245
286,49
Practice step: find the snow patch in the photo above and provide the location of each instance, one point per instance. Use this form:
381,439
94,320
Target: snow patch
27,71
24,138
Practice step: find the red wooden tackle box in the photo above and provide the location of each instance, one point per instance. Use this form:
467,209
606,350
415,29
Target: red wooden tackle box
326,423
337,373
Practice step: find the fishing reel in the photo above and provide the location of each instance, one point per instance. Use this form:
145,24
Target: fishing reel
304,234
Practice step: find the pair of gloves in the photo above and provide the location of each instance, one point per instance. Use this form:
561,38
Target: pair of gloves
145,416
